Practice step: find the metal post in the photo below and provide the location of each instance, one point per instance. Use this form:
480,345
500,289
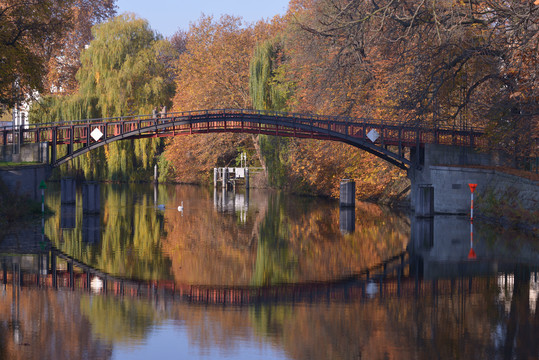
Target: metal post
21,136
53,146
71,136
471,254
71,275
53,268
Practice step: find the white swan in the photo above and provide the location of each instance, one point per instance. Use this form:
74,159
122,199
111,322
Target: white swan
180,208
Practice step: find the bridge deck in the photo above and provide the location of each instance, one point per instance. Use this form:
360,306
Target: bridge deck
353,131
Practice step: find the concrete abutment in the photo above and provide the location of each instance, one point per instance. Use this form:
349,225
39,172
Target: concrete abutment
449,169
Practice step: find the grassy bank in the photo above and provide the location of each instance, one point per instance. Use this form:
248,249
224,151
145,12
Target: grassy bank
8,163
506,211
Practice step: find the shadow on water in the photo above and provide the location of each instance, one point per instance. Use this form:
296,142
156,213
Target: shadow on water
268,269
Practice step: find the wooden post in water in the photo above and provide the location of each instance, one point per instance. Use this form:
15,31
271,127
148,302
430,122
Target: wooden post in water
224,177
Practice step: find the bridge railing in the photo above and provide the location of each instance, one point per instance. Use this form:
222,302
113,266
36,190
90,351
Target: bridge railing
294,117
399,133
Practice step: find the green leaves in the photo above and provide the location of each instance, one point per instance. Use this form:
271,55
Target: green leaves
122,67
123,72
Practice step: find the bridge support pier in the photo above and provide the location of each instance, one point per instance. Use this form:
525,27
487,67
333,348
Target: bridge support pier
347,220
449,169
425,201
347,202
68,191
91,229
91,198
348,193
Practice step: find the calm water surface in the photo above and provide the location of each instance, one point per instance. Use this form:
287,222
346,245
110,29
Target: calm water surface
261,276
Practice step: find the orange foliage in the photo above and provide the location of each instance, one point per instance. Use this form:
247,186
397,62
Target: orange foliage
317,167
213,73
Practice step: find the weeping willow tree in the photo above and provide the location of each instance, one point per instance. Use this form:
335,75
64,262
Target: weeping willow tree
270,91
124,71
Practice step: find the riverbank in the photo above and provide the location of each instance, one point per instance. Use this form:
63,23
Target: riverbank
17,211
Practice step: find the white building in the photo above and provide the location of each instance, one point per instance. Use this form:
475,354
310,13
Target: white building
20,114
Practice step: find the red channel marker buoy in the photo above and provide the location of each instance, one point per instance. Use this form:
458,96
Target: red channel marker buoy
471,254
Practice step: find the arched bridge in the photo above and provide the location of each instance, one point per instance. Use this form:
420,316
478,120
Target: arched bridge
392,141
400,276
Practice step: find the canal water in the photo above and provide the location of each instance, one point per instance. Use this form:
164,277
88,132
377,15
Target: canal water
139,272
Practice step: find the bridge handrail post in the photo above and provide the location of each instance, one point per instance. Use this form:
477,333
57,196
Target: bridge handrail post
20,140
71,139
364,129
400,141
382,132
417,140
53,147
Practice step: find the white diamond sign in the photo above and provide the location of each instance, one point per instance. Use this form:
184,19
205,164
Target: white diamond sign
373,135
96,134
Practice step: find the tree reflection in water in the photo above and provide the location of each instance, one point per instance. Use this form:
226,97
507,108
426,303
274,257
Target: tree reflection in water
491,313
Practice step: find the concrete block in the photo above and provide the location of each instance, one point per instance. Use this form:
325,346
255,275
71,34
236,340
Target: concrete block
348,193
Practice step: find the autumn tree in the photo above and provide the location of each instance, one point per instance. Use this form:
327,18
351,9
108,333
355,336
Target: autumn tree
40,43
123,72
213,73
63,61
465,63
25,26
294,66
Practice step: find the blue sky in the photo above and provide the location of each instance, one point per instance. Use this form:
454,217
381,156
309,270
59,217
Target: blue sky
167,16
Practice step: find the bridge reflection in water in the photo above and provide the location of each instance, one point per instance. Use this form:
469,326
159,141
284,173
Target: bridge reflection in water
422,271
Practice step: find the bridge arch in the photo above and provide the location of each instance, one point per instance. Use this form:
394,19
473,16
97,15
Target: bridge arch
393,137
